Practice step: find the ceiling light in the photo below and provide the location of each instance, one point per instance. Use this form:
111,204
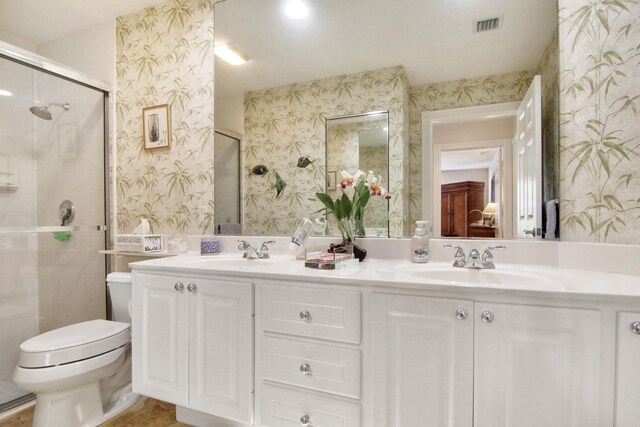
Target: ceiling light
295,9
231,54
5,92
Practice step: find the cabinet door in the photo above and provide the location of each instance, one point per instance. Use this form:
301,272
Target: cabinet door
445,215
422,362
536,366
628,370
221,348
459,216
159,333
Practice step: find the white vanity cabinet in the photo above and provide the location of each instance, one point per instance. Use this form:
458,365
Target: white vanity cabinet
628,370
193,343
422,361
536,366
440,362
310,359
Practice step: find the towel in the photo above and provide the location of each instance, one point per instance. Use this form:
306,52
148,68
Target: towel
551,210
229,228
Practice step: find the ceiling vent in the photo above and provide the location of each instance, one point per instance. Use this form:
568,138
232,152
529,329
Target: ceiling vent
487,24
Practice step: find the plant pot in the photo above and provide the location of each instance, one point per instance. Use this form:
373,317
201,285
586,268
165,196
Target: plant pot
347,248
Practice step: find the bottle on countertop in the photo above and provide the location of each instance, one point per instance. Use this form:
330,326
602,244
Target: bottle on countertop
420,243
300,235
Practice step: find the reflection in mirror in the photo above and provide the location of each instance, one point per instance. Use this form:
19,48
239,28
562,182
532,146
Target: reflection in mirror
471,182
361,142
346,58
226,151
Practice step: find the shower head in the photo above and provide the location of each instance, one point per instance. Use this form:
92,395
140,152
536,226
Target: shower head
43,110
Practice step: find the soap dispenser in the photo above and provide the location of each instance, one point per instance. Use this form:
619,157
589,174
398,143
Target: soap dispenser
420,243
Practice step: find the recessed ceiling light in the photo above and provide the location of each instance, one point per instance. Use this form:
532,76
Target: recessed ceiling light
231,54
5,92
295,9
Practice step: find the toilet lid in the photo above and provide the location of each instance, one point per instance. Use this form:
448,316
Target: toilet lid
72,343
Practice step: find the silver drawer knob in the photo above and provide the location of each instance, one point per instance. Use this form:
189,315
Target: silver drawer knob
305,420
487,316
305,315
305,369
178,286
461,313
191,287
635,328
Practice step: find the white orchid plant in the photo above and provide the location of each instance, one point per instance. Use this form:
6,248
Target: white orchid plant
349,211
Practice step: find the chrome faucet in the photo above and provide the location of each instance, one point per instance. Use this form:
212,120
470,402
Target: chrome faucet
474,260
252,253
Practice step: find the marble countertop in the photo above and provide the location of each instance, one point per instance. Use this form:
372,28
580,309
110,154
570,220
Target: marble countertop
511,278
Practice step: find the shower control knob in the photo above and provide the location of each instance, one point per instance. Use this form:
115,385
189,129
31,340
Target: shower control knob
178,286
487,316
635,328
305,420
305,315
191,287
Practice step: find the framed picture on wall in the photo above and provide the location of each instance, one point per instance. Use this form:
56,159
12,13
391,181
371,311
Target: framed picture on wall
331,180
156,127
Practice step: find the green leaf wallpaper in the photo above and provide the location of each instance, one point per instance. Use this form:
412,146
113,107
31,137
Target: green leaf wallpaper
164,55
599,122
284,123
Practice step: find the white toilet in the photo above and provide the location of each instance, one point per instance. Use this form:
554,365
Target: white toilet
81,374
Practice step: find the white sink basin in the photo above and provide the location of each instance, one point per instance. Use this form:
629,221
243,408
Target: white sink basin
468,275
227,262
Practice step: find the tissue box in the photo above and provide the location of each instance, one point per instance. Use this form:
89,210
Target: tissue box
140,243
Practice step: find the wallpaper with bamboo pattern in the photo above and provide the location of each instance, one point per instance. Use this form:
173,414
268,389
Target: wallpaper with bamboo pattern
164,55
600,123
284,123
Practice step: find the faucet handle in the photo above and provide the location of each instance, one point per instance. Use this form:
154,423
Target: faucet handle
487,256
459,257
243,245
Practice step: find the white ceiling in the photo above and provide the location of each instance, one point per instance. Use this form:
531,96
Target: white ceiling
467,159
41,21
432,39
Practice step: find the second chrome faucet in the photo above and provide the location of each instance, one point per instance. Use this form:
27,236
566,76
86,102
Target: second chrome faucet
252,253
474,259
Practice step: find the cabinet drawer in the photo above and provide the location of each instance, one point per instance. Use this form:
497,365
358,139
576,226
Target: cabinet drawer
282,407
311,312
316,366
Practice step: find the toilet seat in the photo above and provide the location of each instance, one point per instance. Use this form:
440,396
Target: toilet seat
73,343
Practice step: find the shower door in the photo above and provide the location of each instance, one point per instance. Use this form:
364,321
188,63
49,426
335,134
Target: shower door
52,149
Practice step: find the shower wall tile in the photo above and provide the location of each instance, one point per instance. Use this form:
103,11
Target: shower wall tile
164,56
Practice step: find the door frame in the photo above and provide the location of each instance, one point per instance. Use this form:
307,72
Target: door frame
430,203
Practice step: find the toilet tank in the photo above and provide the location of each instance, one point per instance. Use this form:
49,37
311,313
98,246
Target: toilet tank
119,285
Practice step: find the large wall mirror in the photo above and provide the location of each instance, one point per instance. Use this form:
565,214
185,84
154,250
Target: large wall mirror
360,143
349,58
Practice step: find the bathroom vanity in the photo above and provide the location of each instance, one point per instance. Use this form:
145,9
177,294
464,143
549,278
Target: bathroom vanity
386,343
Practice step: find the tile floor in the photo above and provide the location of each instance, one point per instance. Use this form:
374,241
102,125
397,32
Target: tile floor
146,412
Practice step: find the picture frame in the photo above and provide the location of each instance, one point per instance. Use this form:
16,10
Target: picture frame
332,177
156,127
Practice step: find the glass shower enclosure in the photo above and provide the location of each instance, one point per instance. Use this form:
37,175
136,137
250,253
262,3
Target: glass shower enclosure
53,203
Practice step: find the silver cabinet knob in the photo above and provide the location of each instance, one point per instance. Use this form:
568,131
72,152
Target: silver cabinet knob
305,369
178,286
635,328
305,420
191,287
305,315
487,316
461,313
